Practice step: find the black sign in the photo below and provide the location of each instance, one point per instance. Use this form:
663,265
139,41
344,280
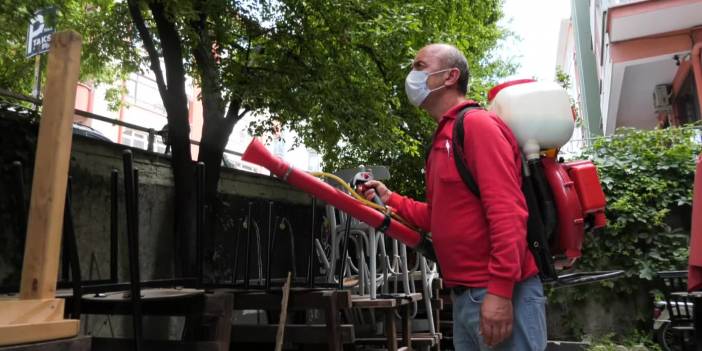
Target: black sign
40,30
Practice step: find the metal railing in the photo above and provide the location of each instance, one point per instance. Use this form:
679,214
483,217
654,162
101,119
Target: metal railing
150,131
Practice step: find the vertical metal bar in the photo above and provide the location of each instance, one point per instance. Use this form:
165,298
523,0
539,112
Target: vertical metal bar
20,200
71,252
235,263
427,294
404,268
131,196
396,266
344,252
333,253
114,200
386,263
199,219
259,254
269,250
311,261
248,248
361,266
293,259
65,258
373,261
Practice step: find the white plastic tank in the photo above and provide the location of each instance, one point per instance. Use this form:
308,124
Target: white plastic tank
539,114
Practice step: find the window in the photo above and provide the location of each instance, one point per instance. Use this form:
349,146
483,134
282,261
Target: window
143,91
135,138
159,146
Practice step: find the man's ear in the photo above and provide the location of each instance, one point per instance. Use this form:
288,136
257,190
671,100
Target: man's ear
454,75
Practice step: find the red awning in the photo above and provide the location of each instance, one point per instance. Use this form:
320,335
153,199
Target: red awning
694,279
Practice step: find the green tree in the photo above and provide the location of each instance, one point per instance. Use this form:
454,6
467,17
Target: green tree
107,54
332,71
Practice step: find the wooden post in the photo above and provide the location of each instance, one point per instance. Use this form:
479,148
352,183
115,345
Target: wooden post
283,315
37,315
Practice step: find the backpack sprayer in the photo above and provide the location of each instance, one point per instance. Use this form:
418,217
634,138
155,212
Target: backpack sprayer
564,199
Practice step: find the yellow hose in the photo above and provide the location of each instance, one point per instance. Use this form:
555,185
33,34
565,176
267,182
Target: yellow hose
363,200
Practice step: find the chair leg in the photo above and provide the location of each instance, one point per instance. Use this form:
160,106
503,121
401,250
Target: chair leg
683,344
71,253
131,201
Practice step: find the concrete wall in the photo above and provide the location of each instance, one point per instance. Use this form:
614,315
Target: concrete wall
92,162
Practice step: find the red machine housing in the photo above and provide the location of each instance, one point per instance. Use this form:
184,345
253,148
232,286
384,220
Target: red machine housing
587,183
579,199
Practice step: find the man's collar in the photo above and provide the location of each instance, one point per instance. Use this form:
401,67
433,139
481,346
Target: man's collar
451,113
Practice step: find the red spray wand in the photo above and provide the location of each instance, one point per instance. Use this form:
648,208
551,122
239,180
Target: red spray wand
258,154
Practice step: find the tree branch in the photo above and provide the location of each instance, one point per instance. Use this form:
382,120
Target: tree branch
149,45
233,111
243,113
205,63
172,54
378,63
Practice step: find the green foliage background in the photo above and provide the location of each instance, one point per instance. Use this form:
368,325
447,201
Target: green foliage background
647,177
105,58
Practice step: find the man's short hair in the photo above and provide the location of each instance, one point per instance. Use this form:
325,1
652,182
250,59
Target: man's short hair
452,57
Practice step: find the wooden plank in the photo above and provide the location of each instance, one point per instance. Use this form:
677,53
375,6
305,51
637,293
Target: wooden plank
294,333
413,297
183,306
79,343
367,302
299,300
406,327
334,338
283,315
437,324
390,330
122,344
41,254
14,334
221,306
16,311
422,339
45,222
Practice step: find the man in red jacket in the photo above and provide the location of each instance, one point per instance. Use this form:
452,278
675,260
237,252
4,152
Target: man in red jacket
480,242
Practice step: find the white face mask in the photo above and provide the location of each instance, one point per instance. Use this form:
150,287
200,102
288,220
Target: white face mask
416,86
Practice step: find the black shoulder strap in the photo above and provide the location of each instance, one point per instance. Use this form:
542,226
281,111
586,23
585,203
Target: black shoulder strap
457,140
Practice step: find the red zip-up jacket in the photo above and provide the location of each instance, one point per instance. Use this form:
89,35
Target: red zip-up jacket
479,242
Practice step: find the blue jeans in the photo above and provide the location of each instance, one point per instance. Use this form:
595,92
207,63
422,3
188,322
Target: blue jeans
528,328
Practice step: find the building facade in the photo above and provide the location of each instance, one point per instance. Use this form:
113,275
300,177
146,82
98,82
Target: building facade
141,105
637,63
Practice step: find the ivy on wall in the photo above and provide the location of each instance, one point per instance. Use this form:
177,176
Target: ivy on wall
647,177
